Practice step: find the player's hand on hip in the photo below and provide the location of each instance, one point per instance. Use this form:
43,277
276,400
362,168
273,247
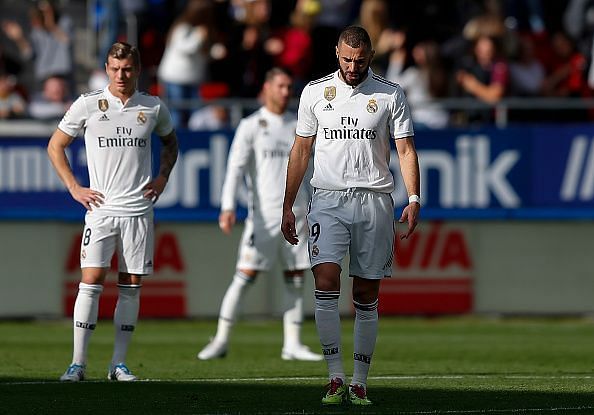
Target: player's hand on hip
410,215
226,221
288,227
155,188
87,197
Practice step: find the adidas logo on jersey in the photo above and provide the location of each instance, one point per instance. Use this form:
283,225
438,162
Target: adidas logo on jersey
103,118
328,107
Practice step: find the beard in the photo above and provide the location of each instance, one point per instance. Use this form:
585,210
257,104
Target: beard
353,78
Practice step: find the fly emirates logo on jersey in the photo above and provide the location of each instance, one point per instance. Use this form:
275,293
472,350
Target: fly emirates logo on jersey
349,130
122,138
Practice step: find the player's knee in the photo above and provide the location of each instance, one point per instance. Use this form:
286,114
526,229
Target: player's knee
327,277
93,276
365,291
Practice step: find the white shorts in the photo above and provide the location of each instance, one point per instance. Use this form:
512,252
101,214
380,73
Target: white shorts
131,236
357,220
262,243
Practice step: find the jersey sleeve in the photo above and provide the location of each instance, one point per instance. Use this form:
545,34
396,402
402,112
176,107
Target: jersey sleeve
400,123
307,123
75,118
239,156
164,122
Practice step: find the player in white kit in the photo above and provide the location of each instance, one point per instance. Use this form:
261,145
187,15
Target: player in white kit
117,122
260,150
350,117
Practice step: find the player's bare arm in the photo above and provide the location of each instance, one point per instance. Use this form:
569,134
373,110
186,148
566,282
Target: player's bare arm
56,150
298,161
169,152
227,220
409,167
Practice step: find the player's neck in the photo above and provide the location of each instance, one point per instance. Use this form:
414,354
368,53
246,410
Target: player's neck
124,96
275,109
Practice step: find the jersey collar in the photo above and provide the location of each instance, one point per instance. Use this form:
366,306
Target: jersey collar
267,113
115,99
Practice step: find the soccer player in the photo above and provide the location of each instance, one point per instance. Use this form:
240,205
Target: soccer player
260,151
350,116
117,122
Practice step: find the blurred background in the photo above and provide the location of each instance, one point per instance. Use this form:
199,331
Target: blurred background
502,99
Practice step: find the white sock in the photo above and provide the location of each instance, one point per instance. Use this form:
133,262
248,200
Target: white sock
293,315
365,335
230,305
124,320
328,324
86,308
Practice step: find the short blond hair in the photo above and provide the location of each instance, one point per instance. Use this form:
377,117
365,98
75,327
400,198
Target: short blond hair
123,50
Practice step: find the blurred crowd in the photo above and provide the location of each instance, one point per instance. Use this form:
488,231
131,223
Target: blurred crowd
205,50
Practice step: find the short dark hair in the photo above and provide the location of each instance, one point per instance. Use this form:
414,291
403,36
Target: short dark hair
123,50
355,37
271,73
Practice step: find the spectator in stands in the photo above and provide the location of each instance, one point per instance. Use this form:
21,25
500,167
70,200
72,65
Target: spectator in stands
578,22
12,104
184,65
374,17
484,75
247,43
53,101
10,60
334,16
566,74
291,46
423,81
50,44
526,72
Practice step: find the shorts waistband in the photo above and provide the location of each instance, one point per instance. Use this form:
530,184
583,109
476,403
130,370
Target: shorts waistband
350,191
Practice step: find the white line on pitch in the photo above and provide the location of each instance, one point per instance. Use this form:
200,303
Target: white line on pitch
319,378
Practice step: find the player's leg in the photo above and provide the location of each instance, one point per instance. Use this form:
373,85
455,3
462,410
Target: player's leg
97,247
253,256
294,259
329,239
135,260
371,261
327,293
365,301
241,281
293,349
125,319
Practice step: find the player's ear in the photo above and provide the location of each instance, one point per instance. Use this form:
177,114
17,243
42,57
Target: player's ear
336,52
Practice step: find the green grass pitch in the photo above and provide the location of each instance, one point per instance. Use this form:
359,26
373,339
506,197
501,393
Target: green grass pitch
465,365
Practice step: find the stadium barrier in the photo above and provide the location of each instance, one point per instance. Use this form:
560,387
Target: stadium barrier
506,226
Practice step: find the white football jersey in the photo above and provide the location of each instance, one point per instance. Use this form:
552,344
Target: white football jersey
118,146
260,151
353,128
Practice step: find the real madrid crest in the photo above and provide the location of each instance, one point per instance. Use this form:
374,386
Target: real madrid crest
103,105
330,92
372,106
141,118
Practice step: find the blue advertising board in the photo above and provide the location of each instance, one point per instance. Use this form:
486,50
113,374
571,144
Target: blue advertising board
528,172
